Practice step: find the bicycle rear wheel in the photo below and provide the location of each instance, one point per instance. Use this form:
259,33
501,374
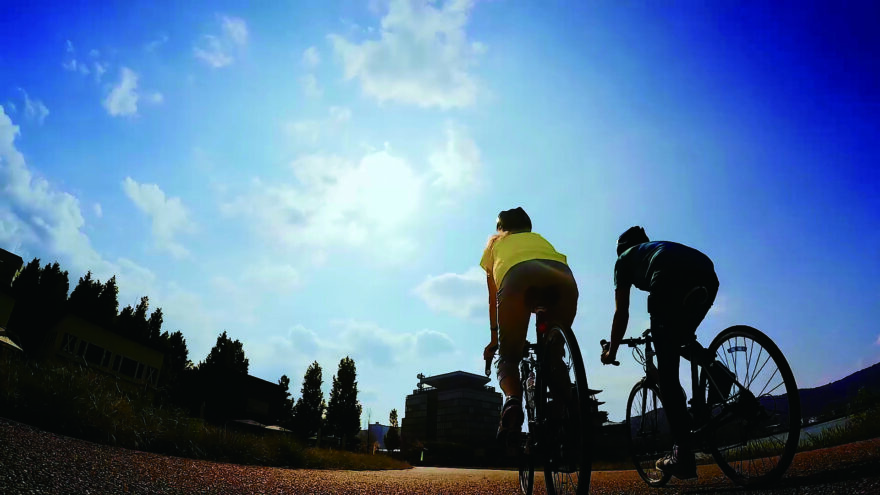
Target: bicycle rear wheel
568,415
527,468
649,435
754,433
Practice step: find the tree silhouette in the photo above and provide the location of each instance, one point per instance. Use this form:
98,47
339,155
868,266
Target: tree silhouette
83,300
154,326
221,378
309,409
108,304
125,322
392,438
41,299
141,329
283,407
344,411
227,356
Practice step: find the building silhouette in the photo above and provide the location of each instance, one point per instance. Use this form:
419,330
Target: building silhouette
10,266
456,408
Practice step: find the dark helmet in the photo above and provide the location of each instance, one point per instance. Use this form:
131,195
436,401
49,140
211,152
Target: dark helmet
515,220
632,237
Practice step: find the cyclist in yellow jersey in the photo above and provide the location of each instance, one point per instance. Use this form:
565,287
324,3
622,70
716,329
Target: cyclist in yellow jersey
516,259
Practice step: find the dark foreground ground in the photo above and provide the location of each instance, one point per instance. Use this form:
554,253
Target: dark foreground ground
36,462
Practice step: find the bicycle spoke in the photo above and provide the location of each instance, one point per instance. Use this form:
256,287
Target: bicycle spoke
764,390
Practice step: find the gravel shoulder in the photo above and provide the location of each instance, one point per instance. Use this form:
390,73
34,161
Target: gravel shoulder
33,461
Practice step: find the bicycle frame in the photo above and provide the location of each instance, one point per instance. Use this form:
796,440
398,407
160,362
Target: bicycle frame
698,401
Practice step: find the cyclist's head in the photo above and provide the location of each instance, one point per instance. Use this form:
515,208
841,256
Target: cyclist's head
515,220
632,237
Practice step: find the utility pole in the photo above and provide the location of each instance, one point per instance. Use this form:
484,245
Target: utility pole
368,446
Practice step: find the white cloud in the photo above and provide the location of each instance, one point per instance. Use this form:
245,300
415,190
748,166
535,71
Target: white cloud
123,98
462,295
310,86
156,43
311,58
99,70
218,51
430,342
458,164
99,212
235,29
34,110
168,215
423,56
280,277
365,342
37,217
336,202
340,114
94,53
211,51
877,342
310,131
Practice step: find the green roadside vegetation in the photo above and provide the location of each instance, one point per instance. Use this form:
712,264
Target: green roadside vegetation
72,400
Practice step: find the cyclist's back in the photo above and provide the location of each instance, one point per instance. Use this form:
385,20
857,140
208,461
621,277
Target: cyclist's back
662,265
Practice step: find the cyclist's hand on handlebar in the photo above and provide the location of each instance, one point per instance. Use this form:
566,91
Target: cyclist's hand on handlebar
489,351
606,357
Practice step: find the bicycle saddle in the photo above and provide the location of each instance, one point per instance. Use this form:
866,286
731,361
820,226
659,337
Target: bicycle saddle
541,298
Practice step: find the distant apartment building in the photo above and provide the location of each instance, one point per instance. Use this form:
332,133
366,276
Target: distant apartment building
455,408
373,438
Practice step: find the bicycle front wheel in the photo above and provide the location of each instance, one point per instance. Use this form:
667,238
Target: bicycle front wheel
754,430
569,412
649,435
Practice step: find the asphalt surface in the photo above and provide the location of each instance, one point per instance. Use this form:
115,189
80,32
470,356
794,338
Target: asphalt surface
36,462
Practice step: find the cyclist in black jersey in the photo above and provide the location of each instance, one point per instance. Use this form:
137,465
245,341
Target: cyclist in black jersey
681,285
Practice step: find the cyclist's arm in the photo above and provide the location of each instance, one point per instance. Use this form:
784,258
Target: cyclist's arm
493,306
621,318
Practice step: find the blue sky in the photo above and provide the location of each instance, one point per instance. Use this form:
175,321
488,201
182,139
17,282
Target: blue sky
319,179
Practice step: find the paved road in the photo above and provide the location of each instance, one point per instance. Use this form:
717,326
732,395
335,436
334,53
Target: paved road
35,462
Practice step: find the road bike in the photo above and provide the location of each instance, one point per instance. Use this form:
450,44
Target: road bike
560,407
745,407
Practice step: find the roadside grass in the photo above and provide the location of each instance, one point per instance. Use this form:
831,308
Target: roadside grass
73,400
861,426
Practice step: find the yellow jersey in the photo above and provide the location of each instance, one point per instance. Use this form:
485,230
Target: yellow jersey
505,252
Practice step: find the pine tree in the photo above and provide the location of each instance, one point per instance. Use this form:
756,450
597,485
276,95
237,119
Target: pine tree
221,377
226,357
83,300
108,303
344,410
283,407
392,438
309,409
154,325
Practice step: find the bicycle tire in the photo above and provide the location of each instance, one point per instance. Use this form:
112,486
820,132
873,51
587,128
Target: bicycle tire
567,457
770,431
526,459
526,470
648,431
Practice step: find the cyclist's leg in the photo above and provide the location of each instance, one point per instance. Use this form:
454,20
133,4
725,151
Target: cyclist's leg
667,344
513,323
721,377
558,275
